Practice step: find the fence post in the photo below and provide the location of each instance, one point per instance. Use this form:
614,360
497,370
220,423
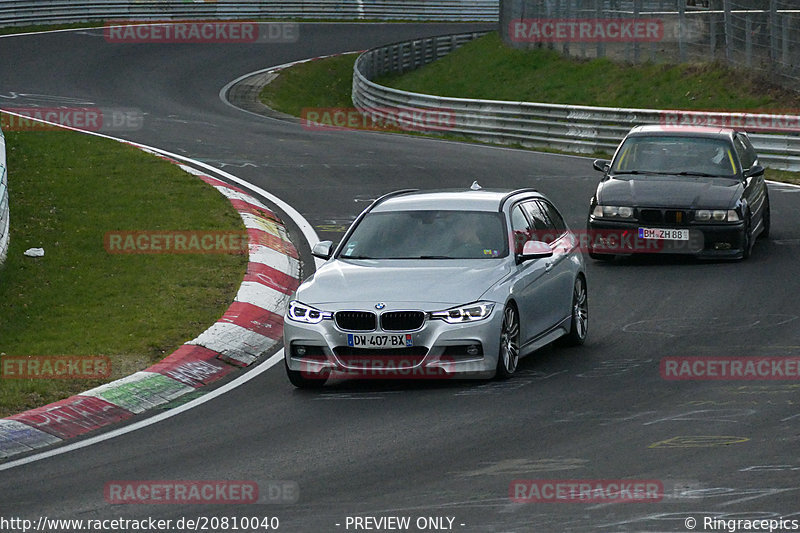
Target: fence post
773,30
748,40
785,40
682,30
566,15
598,9
712,35
637,9
726,6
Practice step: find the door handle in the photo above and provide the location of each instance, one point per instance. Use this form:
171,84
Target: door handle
548,266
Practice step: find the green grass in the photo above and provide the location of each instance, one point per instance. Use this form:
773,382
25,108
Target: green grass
485,68
66,191
321,83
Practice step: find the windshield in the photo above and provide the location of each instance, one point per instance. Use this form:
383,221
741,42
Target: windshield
675,155
428,235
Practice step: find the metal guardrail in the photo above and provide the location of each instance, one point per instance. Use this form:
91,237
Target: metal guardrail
572,128
18,12
4,209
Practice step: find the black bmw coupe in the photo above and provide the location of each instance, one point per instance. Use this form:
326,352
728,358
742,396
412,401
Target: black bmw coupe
679,190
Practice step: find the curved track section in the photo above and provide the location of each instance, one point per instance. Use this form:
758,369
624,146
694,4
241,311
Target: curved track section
443,450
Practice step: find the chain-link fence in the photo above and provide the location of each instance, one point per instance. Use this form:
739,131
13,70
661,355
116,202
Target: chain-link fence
761,35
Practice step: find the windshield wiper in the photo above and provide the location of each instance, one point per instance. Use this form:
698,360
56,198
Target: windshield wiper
355,257
434,257
641,172
701,174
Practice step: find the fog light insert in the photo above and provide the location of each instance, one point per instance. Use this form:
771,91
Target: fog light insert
722,246
300,350
462,351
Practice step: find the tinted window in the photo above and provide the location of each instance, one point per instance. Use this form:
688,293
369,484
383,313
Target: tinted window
520,228
428,235
537,215
670,155
554,216
547,230
747,154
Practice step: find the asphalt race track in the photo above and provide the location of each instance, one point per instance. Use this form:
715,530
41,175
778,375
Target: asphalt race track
725,449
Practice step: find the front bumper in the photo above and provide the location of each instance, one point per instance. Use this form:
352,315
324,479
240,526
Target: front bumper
439,350
708,241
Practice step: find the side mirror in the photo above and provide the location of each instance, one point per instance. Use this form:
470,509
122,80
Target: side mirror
322,249
754,171
602,165
535,250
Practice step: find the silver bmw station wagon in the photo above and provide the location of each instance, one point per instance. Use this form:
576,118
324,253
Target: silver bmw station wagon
437,284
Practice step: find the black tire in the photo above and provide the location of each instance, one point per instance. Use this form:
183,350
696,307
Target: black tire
766,221
302,380
508,358
580,314
747,244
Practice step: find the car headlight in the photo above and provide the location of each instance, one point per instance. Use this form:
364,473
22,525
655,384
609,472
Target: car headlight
716,215
465,313
300,312
610,211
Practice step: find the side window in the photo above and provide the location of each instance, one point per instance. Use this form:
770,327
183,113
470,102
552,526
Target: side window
555,217
752,156
520,229
535,214
544,227
747,154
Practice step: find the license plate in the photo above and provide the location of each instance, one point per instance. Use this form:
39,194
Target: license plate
379,340
664,234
